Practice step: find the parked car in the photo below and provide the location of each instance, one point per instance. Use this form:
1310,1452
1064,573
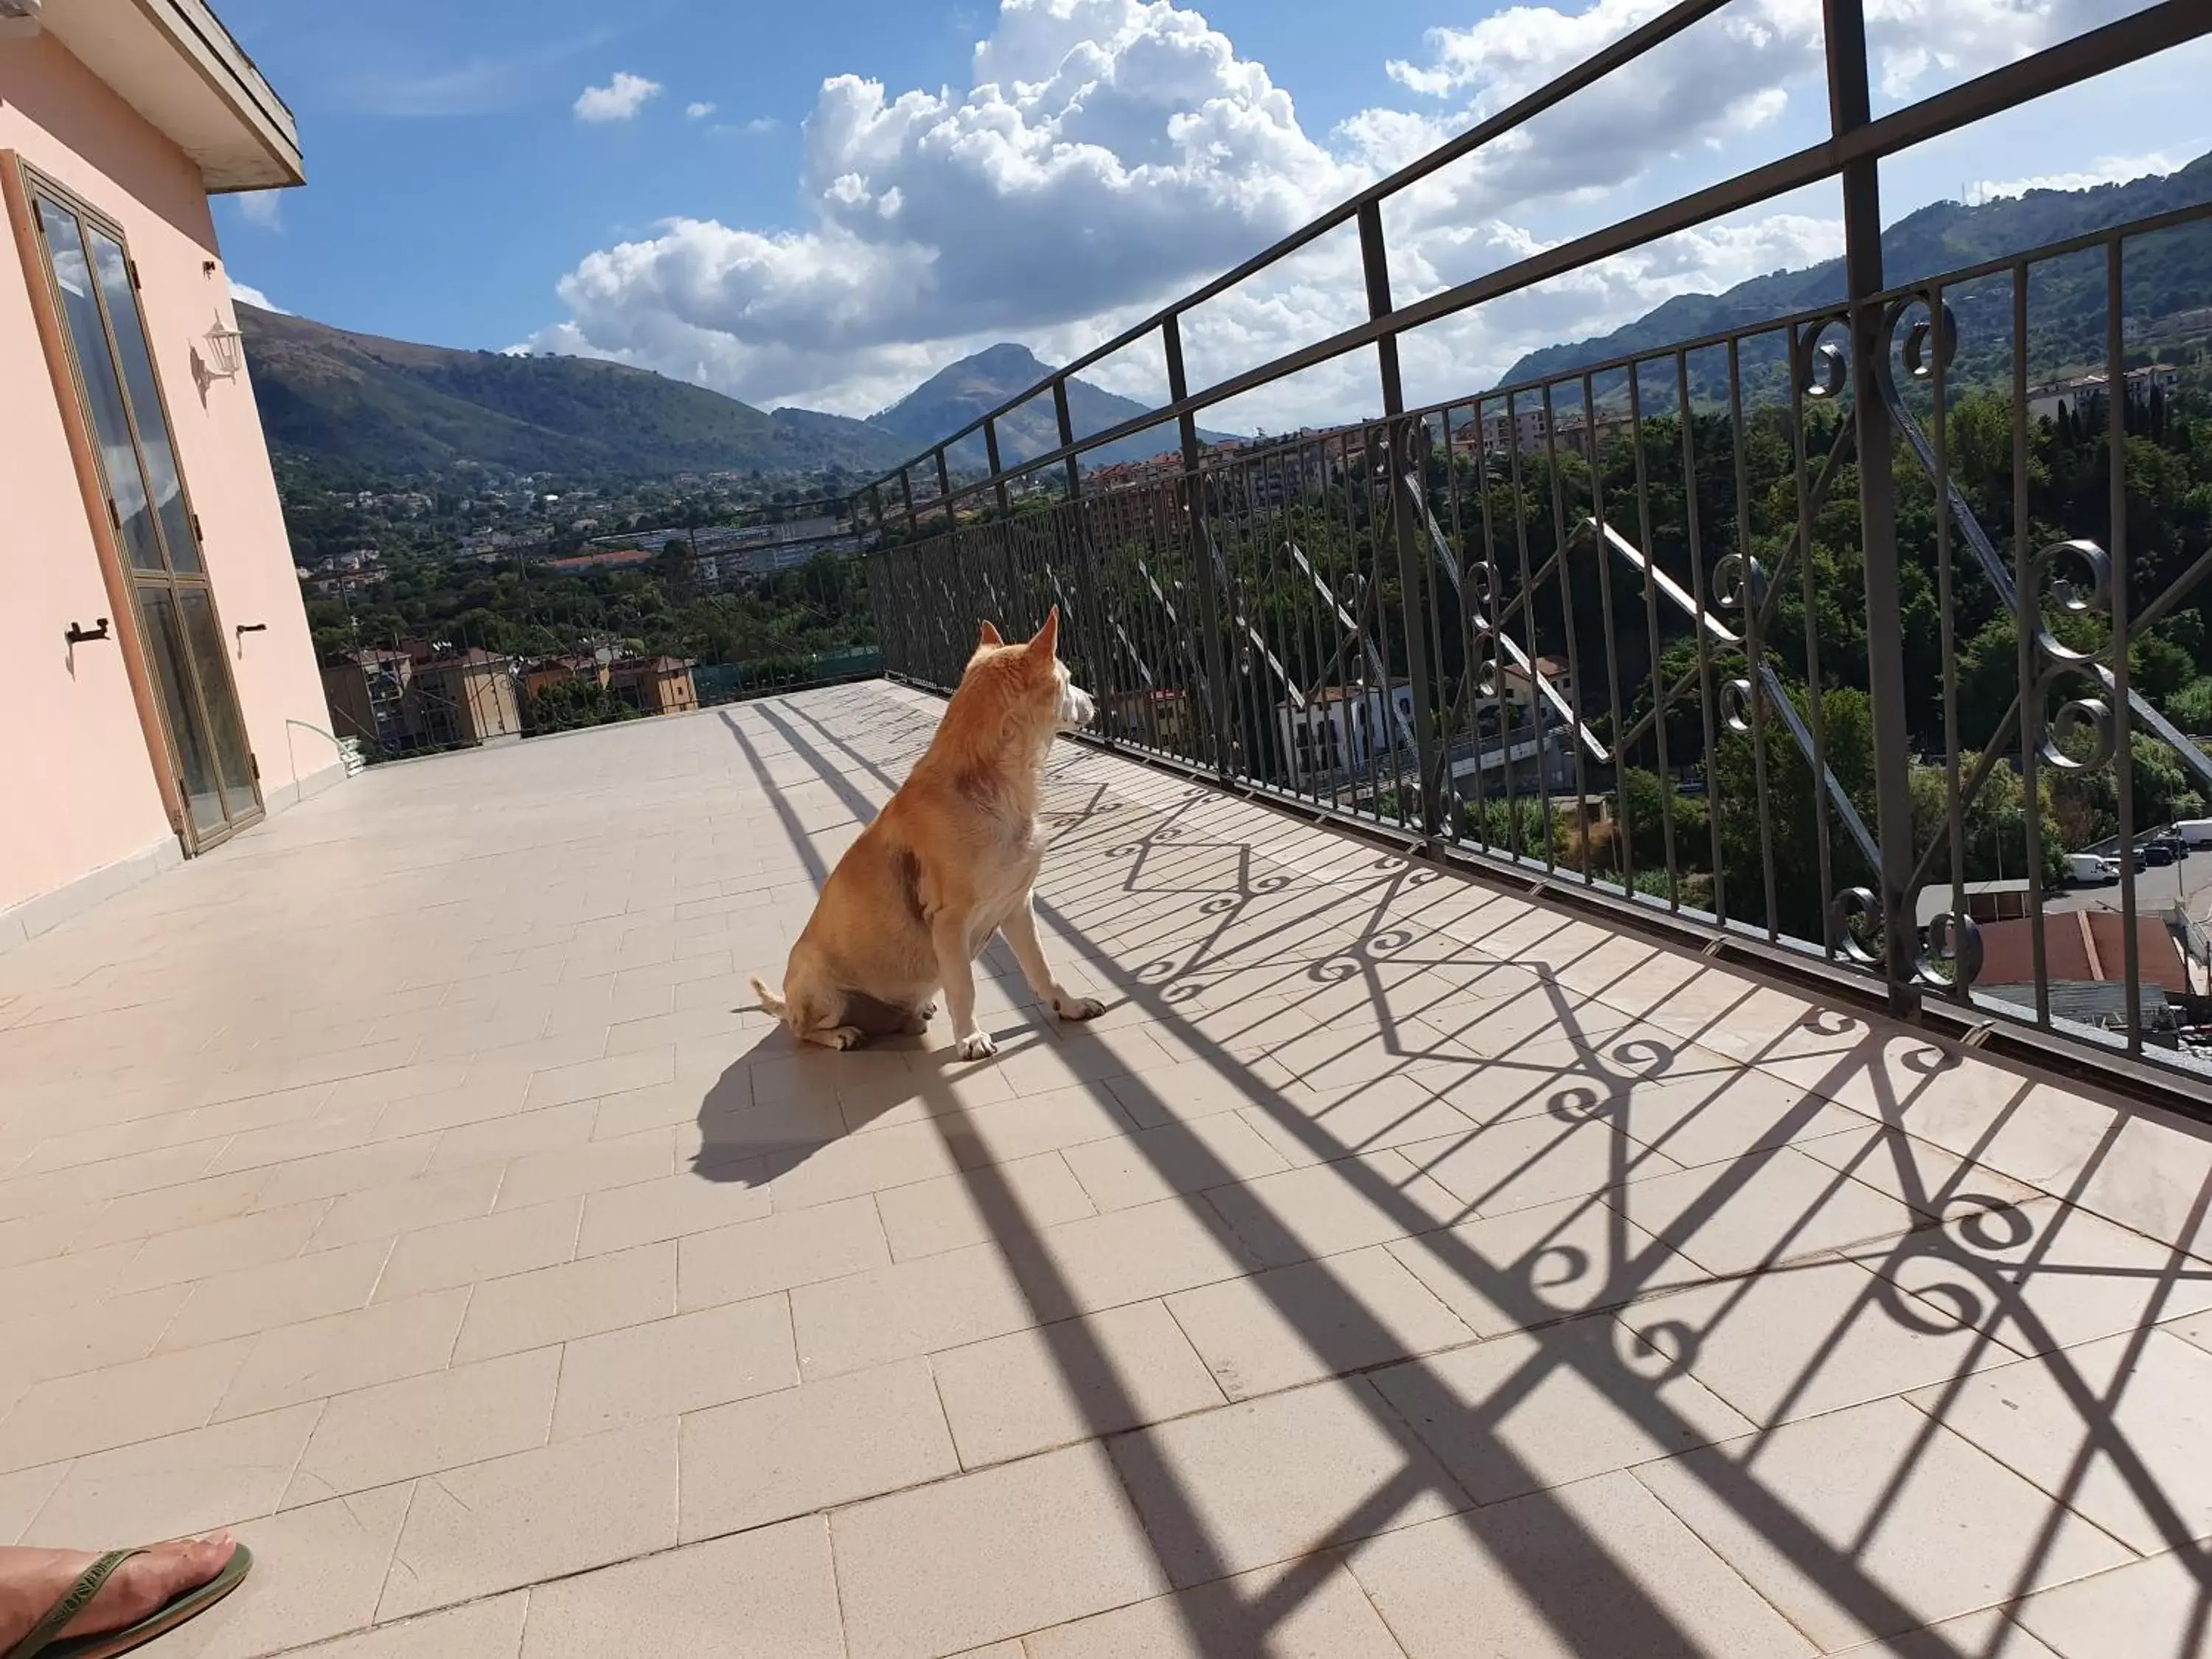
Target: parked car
2195,832
2155,853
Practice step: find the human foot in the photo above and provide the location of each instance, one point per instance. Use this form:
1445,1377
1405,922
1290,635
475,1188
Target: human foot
32,1581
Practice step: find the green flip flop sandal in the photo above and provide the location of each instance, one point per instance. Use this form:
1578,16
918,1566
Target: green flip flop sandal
45,1640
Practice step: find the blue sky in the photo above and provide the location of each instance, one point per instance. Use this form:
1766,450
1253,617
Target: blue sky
822,203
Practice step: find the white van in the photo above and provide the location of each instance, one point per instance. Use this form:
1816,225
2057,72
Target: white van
2089,869
2198,832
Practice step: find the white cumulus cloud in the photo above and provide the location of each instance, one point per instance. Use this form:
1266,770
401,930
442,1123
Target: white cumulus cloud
2107,170
241,295
1106,150
1108,154
264,208
619,101
698,112
1747,49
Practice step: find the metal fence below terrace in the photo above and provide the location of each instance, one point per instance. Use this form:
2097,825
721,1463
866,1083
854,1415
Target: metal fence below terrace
735,682
1755,636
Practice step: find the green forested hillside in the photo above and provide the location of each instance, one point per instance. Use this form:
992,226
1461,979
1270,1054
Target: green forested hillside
368,402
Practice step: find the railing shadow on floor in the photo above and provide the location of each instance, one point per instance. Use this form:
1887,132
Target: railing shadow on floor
1967,1275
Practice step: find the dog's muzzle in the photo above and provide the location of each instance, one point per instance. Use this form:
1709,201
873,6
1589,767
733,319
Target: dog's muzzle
1076,709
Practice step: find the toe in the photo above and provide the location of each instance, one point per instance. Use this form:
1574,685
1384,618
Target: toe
167,1571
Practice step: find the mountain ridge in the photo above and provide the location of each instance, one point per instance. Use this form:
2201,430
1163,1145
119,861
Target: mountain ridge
367,400
337,394
967,390
1929,241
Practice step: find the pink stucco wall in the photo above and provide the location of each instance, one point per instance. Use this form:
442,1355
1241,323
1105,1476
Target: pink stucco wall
74,757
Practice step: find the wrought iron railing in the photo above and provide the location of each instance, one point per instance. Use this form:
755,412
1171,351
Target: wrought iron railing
1756,634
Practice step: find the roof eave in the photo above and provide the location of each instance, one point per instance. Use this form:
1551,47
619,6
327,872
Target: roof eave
221,110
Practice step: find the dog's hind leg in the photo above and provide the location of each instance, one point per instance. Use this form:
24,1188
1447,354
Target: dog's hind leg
830,1026
880,1018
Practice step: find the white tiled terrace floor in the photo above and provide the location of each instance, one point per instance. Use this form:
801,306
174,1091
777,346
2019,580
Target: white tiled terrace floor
1399,1267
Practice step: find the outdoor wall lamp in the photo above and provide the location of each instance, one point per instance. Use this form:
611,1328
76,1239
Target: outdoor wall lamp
225,351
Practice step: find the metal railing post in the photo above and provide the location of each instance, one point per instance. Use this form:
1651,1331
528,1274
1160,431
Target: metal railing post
1401,452
1089,589
1201,556
1849,109
880,601
991,450
1066,436
944,489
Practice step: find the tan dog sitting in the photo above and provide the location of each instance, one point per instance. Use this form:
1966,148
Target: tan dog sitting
948,862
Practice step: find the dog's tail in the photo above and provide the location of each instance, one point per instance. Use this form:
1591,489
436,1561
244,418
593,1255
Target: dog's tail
770,1003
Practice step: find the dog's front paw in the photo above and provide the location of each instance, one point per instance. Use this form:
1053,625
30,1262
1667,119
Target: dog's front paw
844,1037
977,1046
1077,1007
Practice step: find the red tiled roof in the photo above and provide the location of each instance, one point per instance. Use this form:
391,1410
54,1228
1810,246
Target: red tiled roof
594,561
2082,945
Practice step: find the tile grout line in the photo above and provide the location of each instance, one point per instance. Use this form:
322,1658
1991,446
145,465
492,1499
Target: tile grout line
2028,1480
322,1410
44,1504
1167,1302
1344,1565
399,1538
1728,1566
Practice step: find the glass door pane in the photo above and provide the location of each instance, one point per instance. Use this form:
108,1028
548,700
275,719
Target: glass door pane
212,667
165,646
103,394
153,446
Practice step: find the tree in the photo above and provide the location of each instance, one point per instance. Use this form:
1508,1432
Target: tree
2191,706
568,704
1994,821
1787,808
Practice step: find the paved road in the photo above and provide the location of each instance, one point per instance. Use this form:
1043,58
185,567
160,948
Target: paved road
2187,881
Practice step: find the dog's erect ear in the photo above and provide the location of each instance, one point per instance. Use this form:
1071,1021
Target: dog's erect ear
1047,642
988,638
